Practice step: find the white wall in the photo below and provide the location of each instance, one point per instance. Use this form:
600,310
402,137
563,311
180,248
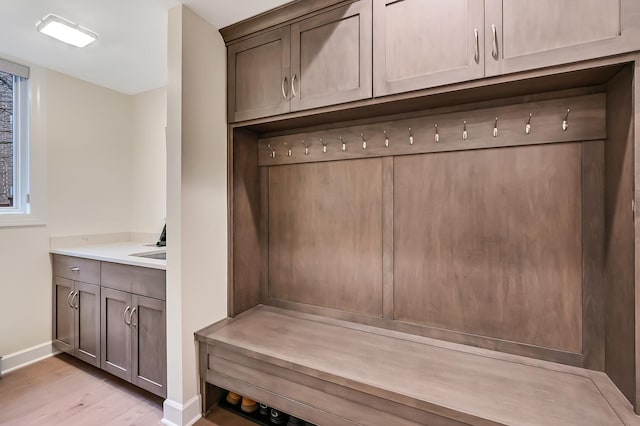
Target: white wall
196,201
89,135
149,162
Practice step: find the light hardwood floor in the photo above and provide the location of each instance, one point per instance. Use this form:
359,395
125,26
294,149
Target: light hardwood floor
64,391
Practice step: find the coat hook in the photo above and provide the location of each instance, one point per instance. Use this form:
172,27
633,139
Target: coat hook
324,146
436,138
344,144
306,147
386,139
364,141
495,128
410,136
527,128
565,122
288,149
465,135
273,151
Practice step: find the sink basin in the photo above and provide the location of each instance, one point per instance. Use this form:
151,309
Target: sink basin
161,255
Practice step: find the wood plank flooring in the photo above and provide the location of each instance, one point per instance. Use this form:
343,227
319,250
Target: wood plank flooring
64,391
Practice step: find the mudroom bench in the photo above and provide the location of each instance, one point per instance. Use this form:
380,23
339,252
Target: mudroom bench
334,372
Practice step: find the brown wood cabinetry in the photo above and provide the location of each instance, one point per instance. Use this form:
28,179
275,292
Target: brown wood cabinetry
420,44
258,76
522,35
496,213
322,60
426,43
76,312
134,330
117,324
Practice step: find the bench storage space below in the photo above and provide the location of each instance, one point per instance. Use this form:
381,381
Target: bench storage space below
335,372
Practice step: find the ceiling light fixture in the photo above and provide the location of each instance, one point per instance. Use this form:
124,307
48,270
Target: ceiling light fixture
66,31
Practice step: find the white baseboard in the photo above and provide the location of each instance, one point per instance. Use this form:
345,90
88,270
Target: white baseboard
176,414
28,356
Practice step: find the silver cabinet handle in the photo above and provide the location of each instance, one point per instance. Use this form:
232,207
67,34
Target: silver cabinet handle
75,306
293,87
69,299
125,315
494,31
476,57
74,269
285,95
133,311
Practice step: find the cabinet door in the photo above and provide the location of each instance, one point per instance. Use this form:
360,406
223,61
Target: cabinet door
331,57
116,333
534,34
86,304
258,76
63,327
148,325
424,43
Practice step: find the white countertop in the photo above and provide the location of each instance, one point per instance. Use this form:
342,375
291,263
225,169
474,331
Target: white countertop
117,253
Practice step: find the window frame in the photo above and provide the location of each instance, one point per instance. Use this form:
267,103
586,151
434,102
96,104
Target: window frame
22,212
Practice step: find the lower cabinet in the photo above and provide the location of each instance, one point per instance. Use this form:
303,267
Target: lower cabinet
77,319
117,325
134,339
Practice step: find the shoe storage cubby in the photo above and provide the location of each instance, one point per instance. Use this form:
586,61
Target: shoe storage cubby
257,412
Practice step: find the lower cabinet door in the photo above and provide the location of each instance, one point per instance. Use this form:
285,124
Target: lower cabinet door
63,326
86,304
116,332
149,367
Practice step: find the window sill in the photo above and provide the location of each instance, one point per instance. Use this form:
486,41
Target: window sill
17,220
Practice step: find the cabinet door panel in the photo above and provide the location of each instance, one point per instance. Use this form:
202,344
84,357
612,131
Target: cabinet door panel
331,57
63,329
149,345
426,43
87,323
115,333
257,69
551,32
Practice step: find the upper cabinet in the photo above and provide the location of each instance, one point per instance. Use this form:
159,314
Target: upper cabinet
525,34
328,52
426,43
322,60
258,74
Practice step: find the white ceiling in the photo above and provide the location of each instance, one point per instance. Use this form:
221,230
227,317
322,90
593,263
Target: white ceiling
131,54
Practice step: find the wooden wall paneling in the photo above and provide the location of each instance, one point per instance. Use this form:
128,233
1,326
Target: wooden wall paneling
246,222
325,235
489,243
387,238
593,255
586,122
620,346
264,234
504,346
230,222
636,142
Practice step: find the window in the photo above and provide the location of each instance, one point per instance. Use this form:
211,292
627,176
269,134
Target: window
14,141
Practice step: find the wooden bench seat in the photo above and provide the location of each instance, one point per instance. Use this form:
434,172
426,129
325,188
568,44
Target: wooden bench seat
339,373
